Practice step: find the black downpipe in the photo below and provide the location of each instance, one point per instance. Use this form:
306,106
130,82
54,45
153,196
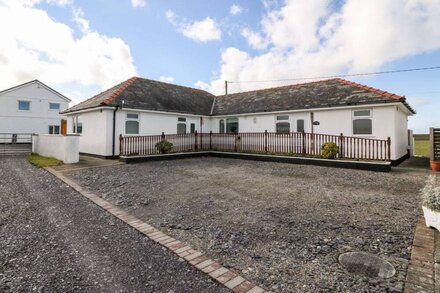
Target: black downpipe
114,131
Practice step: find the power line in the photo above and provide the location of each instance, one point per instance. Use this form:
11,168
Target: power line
341,75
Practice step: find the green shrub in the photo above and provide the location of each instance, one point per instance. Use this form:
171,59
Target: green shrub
431,194
164,147
330,150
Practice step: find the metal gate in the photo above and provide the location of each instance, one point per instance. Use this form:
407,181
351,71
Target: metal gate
15,143
434,136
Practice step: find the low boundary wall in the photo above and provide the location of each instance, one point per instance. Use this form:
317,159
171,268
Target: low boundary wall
62,147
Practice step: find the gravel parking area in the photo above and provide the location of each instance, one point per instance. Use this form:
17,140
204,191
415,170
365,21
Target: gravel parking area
52,239
279,225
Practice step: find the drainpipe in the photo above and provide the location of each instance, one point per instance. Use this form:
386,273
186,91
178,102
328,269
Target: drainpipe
114,131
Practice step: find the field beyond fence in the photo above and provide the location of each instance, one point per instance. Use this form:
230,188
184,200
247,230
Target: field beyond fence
292,144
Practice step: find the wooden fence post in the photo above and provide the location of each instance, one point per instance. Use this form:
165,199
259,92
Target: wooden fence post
235,140
389,148
303,143
210,140
162,136
265,141
121,152
341,146
195,140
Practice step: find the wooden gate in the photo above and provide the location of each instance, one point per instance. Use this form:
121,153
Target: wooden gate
434,138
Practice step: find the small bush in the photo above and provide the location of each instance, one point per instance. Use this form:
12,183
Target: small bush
330,150
42,162
431,194
164,147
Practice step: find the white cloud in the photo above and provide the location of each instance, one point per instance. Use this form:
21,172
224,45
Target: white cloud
255,40
235,9
78,17
41,48
310,38
200,31
167,79
138,3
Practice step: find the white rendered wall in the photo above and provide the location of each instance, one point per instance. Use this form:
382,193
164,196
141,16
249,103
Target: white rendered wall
38,118
95,131
61,147
400,143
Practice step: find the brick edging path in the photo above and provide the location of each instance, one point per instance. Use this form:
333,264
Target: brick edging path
199,260
421,275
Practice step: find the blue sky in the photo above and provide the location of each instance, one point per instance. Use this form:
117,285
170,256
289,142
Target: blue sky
81,47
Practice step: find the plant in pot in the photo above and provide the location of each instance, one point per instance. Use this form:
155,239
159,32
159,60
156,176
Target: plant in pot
435,165
330,150
164,146
431,203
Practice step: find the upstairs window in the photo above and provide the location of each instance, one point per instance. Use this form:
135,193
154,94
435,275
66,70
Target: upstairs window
54,106
24,105
362,122
232,125
132,123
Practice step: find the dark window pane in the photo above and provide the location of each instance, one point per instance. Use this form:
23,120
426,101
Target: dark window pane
54,106
222,126
362,113
232,125
193,127
181,128
283,127
131,127
24,105
362,126
132,116
181,119
283,117
300,125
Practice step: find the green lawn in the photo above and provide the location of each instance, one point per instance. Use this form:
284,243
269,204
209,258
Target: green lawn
42,162
422,148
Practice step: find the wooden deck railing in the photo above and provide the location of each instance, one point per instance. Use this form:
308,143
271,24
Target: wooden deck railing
294,143
434,141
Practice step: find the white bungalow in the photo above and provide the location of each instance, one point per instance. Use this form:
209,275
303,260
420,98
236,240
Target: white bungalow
145,107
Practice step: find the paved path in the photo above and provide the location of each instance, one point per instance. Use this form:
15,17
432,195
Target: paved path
53,239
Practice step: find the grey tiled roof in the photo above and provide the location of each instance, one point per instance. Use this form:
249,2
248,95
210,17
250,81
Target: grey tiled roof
145,94
320,94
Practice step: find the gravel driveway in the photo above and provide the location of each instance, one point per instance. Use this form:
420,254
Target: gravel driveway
279,225
54,240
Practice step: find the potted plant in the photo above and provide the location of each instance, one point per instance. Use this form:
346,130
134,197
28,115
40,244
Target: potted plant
330,150
164,146
435,165
431,203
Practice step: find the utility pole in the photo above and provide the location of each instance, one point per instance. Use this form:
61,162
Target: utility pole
226,87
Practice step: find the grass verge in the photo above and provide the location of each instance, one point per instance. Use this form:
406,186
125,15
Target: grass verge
422,148
42,162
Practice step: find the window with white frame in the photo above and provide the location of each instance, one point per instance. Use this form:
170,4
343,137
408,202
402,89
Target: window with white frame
77,126
232,125
282,124
132,123
300,125
54,129
24,105
222,126
54,106
362,122
181,125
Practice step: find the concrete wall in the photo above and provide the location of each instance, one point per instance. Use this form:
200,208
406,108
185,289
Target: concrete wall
38,118
64,148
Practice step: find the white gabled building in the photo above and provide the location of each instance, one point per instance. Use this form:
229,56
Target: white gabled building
146,107
32,107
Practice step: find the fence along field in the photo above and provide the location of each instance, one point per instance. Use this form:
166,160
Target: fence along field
293,144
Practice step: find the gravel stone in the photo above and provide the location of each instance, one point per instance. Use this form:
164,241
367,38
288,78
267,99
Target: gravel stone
281,225
52,239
